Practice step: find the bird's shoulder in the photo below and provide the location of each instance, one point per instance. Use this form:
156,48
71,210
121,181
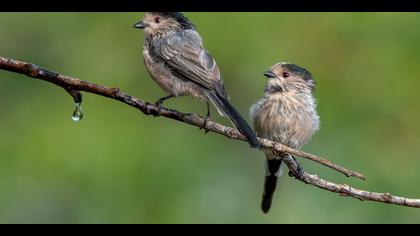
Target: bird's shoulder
185,48
184,53
179,39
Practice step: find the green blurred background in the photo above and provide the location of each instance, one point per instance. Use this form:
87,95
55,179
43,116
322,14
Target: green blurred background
119,166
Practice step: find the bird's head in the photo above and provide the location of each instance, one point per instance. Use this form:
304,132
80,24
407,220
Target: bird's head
157,24
285,76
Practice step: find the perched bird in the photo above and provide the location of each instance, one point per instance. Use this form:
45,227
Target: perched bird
177,61
286,114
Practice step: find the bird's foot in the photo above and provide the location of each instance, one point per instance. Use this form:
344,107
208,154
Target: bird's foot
159,103
205,124
298,172
159,106
159,109
206,120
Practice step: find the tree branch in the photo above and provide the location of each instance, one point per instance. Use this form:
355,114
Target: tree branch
346,190
73,86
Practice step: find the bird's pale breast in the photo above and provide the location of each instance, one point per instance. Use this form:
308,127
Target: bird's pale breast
287,118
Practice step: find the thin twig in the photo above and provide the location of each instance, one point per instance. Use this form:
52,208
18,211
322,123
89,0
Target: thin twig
346,190
282,148
71,84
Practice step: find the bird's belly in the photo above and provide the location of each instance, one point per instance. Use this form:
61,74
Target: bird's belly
293,128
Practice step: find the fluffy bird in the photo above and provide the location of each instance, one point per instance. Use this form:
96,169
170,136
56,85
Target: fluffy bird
286,114
177,61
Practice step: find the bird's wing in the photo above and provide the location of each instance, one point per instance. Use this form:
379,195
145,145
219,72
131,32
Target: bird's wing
184,52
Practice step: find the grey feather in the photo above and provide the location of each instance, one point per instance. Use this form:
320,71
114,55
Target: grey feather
178,62
184,52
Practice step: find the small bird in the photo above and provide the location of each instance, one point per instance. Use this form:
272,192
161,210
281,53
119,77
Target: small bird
286,114
177,61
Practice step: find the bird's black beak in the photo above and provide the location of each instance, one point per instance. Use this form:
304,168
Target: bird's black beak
139,25
269,74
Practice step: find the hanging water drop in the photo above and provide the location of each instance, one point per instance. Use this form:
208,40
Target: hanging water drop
78,113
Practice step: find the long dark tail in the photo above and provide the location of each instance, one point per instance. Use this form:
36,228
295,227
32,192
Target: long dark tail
223,105
272,173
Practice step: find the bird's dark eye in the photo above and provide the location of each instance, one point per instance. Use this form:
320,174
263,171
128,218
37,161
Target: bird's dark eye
286,74
157,20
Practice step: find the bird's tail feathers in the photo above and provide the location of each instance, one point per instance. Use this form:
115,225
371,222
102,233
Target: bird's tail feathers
273,171
224,107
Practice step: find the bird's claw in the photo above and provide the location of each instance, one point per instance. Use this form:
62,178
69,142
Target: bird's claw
298,172
159,103
206,120
159,106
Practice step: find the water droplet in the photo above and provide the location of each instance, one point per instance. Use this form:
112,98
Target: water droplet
78,113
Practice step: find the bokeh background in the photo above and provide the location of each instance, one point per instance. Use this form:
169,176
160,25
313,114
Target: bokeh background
119,166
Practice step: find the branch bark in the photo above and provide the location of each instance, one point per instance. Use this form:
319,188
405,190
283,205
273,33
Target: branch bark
73,86
346,190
